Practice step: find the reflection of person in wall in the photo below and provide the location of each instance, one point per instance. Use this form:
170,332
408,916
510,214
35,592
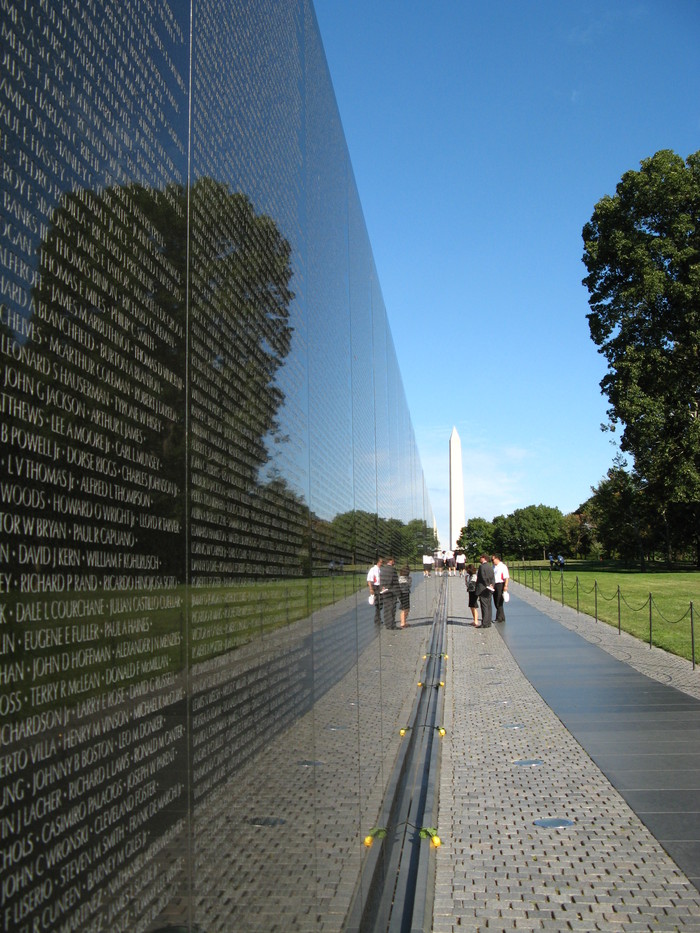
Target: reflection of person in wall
404,594
484,589
501,577
373,584
389,589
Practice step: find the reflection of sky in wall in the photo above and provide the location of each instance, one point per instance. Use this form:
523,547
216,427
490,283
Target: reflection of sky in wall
125,120
248,119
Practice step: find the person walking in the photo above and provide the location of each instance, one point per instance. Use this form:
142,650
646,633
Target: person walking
501,577
389,591
404,594
374,590
484,590
470,582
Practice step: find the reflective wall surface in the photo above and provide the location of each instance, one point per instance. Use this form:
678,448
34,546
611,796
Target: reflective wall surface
204,443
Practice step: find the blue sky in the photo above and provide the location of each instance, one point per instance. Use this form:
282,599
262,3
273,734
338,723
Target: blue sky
481,136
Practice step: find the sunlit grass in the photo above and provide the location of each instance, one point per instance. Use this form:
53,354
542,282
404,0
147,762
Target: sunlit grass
624,598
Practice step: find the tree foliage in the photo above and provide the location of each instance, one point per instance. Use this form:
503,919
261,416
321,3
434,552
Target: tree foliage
616,508
476,537
579,534
642,253
525,533
529,532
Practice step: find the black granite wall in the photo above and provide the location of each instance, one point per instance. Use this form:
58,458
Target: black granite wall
204,442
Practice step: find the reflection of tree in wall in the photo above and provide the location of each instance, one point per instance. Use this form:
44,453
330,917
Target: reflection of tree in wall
240,336
112,282
240,275
110,300
359,537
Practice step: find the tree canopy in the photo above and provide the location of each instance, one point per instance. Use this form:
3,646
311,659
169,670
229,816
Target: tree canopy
524,533
476,537
529,532
642,253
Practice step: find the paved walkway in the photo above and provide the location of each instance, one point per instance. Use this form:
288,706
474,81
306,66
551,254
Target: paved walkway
509,761
279,847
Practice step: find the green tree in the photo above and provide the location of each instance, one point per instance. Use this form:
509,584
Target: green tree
617,508
529,532
642,253
476,538
579,535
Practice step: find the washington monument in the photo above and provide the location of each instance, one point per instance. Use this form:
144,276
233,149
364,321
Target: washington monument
456,489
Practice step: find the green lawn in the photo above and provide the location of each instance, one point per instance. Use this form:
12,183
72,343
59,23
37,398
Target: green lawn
624,598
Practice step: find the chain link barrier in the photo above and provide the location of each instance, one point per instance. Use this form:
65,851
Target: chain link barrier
525,575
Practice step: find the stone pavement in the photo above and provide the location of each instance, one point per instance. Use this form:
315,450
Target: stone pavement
508,761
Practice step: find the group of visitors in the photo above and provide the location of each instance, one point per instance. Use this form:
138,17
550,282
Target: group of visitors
449,562
487,588
487,582
387,587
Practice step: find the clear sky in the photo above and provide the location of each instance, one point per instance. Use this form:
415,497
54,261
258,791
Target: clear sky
482,133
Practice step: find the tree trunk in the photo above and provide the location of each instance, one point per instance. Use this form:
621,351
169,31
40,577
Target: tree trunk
667,538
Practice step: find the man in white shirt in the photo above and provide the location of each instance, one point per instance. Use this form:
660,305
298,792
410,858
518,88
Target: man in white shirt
373,584
501,576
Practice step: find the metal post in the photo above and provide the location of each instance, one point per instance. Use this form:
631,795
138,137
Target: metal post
550,584
562,588
692,635
619,617
578,609
650,598
595,598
